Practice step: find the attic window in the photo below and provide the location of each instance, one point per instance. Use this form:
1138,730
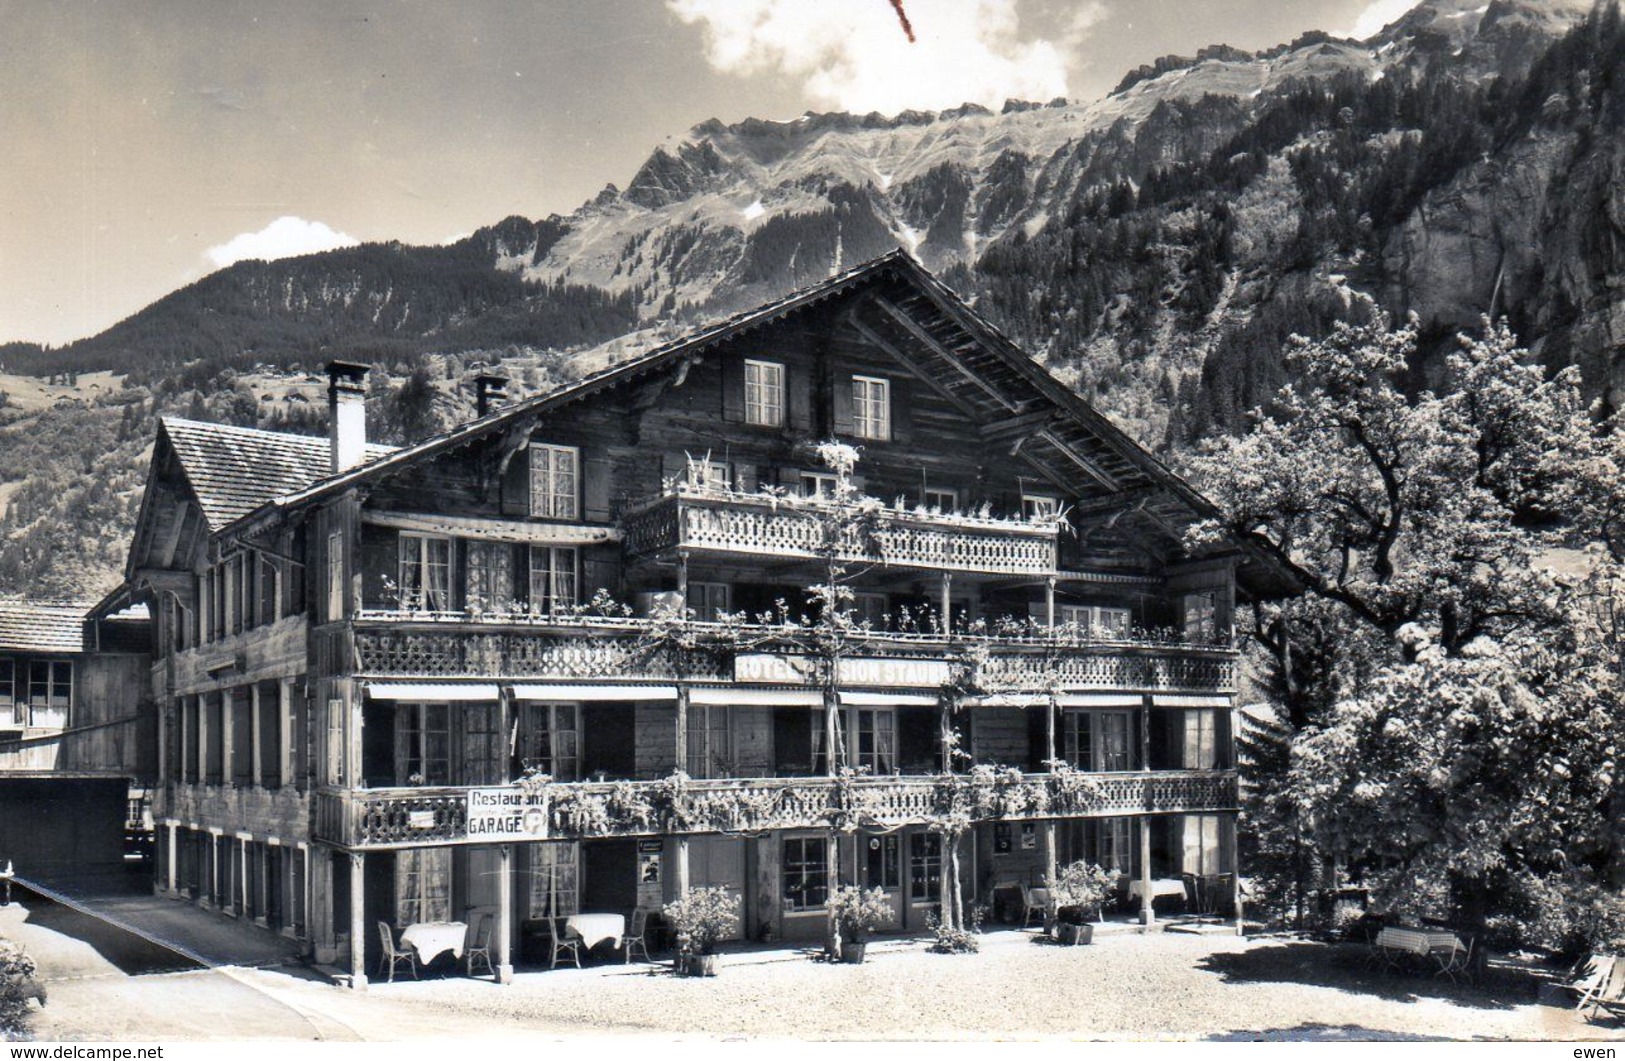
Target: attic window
871,408
764,393
554,481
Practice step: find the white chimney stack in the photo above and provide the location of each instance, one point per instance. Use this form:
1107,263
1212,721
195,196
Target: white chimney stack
347,413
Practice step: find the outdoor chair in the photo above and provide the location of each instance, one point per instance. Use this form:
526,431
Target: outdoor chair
478,947
560,943
1193,892
1452,953
634,938
1031,904
1602,987
393,955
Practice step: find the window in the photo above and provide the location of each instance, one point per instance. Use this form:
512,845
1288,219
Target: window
940,499
819,485
869,608
925,868
269,590
425,573
554,877
423,744
1201,617
7,687
488,582
50,692
1114,844
1199,749
710,743
335,576
871,408
1099,740
422,885
883,864
709,600
877,741
335,758
1199,843
805,873
1039,506
553,481
709,475
764,393
553,580
549,740
1096,620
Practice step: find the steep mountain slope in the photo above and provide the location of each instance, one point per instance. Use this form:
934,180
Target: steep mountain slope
1156,247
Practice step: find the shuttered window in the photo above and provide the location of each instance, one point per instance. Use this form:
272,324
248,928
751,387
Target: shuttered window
764,393
554,481
871,408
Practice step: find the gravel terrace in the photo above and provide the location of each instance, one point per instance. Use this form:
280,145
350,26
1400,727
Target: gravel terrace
1164,986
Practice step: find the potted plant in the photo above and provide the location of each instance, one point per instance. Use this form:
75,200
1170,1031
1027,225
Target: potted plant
701,919
858,912
1079,890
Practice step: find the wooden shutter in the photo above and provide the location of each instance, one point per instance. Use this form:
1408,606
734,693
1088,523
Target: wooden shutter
599,571
595,475
733,390
902,410
841,405
798,397
516,485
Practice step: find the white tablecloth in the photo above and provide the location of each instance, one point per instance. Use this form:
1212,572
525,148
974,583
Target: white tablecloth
596,928
1160,886
431,939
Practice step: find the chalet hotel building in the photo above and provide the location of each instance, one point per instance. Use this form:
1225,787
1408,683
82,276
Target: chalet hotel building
360,651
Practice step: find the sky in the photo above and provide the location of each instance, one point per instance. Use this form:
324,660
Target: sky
150,142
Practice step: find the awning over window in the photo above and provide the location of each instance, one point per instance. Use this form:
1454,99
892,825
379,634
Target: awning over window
865,699
1191,700
1101,700
757,697
431,691
1010,700
595,692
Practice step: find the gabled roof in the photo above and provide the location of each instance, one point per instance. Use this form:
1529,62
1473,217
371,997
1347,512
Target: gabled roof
234,470
42,626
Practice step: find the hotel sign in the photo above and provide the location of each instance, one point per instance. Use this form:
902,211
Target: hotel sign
768,669
506,814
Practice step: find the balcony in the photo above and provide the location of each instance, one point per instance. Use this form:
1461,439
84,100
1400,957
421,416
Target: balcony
410,817
416,646
704,520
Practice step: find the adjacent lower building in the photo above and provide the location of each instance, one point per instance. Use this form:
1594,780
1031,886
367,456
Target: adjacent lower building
78,747
571,656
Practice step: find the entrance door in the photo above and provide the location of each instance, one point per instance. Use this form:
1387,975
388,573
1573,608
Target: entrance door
880,865
720,862
924,881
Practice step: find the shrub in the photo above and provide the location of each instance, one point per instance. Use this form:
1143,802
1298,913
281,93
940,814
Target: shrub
956,940
1080,888
17,986
702,917
858,911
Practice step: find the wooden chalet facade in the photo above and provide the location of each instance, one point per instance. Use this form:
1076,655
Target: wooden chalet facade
360,652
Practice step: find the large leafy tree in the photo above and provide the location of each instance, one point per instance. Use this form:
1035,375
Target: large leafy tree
1449,706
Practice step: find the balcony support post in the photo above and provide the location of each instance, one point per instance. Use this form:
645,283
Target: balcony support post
682,727
1227,841
505,914
256,762
358,920
681,874
1148,913
947,603
1049,602
682,578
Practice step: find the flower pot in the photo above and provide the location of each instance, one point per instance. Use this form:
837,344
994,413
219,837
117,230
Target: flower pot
698,965
1072,934
852,953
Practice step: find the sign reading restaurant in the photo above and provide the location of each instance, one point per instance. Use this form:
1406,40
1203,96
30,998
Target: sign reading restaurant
763,667
506,814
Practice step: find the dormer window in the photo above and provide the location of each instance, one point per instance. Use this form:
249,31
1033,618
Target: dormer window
555,481
871,408
764,393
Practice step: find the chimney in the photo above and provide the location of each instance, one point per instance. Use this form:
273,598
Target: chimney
346,413
490,392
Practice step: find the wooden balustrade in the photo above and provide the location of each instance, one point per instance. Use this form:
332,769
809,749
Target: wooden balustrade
716,521
634,650
586,810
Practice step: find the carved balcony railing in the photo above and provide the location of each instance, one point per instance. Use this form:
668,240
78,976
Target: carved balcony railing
723,521
386,818
634,650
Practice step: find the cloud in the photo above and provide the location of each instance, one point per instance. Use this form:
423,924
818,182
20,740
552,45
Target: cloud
282,238
1377,15
853,54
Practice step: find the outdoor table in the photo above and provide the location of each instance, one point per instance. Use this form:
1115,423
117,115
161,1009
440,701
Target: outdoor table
596,928
431,939
1159,887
